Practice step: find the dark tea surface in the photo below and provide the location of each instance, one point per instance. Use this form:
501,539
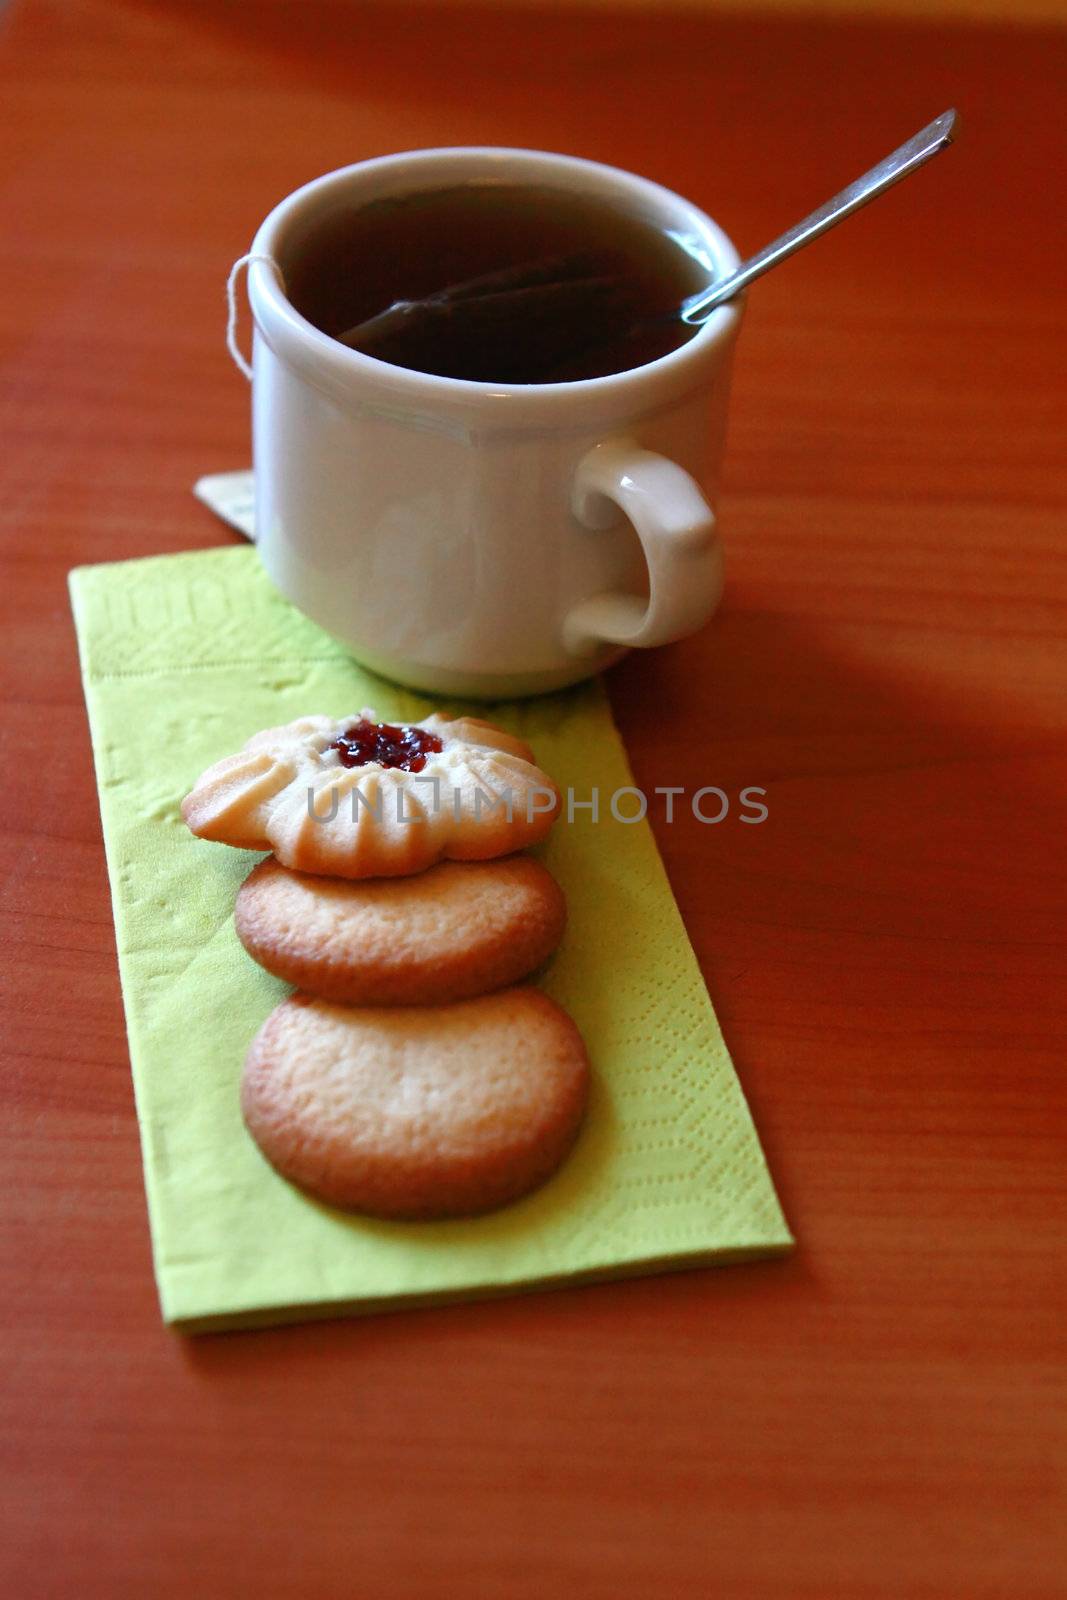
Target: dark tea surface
497,283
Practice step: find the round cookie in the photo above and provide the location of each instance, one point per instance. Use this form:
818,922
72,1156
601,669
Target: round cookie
459,929
437,1111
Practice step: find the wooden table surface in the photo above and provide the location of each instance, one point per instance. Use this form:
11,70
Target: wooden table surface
879,1416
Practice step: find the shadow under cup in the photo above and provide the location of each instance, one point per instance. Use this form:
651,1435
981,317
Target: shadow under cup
431,522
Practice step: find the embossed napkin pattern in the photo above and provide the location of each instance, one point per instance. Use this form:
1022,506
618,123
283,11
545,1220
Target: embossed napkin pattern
183,658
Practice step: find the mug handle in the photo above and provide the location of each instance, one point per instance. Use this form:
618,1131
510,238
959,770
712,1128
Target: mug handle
676,527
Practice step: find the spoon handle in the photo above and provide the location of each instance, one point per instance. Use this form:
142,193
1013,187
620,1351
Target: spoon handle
918,150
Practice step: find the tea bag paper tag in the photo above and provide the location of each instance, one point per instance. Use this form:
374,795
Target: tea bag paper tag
231,496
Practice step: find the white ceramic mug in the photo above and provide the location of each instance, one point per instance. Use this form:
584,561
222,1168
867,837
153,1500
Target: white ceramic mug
477,538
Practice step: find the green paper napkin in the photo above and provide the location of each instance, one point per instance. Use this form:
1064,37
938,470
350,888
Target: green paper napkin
183,658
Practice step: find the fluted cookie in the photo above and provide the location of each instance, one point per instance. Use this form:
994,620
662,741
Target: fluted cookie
358,798
417,1112
459,929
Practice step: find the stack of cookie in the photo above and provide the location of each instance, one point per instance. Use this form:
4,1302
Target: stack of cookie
408,1077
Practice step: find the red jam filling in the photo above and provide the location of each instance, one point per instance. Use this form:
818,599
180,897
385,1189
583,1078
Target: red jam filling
384,744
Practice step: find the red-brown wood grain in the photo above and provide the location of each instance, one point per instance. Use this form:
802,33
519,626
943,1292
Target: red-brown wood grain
880,1416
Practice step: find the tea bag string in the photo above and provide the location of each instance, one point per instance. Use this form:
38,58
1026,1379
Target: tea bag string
234,348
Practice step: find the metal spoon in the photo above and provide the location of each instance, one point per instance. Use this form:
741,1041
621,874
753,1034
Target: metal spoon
915,153
543,311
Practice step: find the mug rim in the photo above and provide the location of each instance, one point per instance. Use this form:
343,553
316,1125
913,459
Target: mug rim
345,373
